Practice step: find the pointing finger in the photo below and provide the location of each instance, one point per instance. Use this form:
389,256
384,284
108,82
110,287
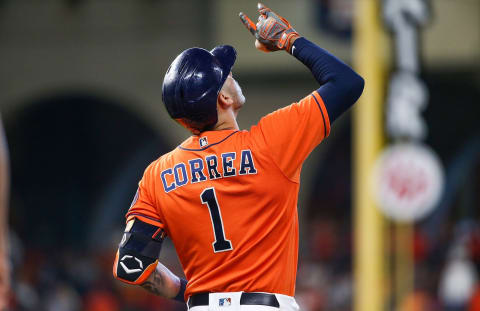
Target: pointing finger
248,23
262,9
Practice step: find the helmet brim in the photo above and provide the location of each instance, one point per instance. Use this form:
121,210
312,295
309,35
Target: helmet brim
226,56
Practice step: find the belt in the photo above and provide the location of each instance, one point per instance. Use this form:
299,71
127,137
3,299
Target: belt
258,299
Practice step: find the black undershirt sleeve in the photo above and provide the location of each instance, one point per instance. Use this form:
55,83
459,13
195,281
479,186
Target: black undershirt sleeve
340,86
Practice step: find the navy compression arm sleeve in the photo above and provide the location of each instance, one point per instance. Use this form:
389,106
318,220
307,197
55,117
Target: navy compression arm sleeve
340,86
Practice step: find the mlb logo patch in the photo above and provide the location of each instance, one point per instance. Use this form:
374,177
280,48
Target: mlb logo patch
203,141
225,302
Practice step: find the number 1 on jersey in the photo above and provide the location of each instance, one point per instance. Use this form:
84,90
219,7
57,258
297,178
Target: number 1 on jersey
209,198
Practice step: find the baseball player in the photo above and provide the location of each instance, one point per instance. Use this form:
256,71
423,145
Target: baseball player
227,198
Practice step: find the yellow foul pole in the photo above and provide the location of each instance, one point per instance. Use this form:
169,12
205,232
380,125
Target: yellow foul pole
367,141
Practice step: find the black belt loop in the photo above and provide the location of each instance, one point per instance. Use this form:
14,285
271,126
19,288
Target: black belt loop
252,299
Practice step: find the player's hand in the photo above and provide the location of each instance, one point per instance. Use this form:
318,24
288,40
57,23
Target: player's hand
272,32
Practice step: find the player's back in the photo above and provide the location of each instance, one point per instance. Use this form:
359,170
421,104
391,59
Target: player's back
230,213
228,200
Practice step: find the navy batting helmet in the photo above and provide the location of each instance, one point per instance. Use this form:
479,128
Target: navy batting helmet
192,83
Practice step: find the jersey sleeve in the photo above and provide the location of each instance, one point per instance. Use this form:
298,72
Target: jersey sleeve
291,133
143,205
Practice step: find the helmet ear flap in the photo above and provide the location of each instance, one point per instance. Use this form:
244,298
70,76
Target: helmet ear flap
192,84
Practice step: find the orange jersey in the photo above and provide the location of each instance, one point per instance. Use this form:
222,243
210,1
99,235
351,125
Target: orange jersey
228,200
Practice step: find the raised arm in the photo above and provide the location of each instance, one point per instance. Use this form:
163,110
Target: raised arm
340,86
290,134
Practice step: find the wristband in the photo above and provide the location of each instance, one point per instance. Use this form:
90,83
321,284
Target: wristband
181,293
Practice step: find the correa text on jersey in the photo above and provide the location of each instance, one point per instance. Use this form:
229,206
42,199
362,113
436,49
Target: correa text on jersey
207,168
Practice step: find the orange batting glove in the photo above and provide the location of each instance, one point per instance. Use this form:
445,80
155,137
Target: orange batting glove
272,31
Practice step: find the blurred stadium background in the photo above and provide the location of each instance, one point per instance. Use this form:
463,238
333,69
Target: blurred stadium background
80,99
